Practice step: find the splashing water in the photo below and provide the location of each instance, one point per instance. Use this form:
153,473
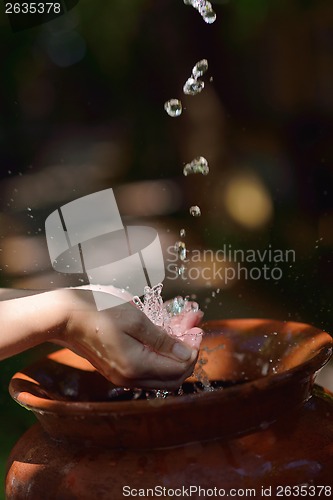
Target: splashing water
179,305
201,375
160,314
173,107
204,8
152,305
197,166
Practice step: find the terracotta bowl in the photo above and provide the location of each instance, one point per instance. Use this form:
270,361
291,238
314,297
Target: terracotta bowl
268,366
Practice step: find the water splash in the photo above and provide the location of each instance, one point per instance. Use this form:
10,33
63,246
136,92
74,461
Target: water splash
161,314
200,374
152,305
179,305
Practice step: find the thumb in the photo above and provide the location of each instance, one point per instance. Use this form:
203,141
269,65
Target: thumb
161,342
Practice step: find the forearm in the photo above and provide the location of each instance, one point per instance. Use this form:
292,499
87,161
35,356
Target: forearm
28,321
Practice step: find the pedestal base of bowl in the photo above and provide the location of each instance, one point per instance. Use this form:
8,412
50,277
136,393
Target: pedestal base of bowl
295,450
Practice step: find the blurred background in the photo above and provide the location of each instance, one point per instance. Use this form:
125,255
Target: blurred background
82,109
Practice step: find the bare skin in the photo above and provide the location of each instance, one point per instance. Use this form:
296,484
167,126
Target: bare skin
121,342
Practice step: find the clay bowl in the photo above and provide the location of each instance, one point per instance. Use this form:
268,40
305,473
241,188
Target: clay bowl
268,366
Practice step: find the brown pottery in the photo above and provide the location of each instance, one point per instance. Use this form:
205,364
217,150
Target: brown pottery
270,427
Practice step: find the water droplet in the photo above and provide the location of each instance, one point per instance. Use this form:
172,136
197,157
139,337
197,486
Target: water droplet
180,247
195,211
197,166
161,314
209,16
178,305
193,86
204,8
181,270
200,68
182,233
162,394
173,107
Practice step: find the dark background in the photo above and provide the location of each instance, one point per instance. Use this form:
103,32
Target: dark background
81,109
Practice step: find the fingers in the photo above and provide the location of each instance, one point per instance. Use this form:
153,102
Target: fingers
184,322
192,337
147,369
128,349
143,330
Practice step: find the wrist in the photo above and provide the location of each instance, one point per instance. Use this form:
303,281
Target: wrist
52,315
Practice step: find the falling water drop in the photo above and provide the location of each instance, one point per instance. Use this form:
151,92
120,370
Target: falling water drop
173,107
195,211
182,233
205,9
200,68
209,16
197,166
180,247
193,86
181,270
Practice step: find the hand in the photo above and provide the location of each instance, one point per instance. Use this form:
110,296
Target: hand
126,347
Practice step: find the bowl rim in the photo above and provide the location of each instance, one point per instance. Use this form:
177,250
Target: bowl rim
41,405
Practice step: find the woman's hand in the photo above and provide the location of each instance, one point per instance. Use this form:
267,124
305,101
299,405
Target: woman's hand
121,342
126,347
